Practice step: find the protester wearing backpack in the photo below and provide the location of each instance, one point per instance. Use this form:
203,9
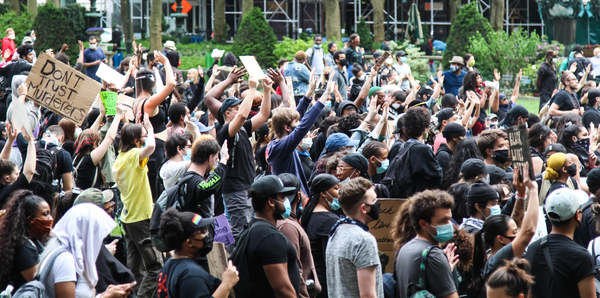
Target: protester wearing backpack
54,165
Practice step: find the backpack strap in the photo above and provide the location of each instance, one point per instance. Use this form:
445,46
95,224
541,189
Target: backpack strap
423,267
43,274
182,191
546,251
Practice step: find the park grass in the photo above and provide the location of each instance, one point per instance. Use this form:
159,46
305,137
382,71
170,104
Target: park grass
530,103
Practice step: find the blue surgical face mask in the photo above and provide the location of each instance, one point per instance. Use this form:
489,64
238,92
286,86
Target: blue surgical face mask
188,154
403,59
335,203
288,209
444,233
383,167
453,67
495,210
328,104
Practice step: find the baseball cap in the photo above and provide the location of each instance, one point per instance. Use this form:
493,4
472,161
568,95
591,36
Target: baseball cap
472,168
290,180
481,192
94,196
358,162
445,114
228,103
400,53
453,130
561,205
323,182
491,116
269,185
338,140
498,174
27,39
374,90
556,147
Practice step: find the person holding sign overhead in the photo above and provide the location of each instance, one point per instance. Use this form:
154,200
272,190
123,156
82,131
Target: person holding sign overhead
148,103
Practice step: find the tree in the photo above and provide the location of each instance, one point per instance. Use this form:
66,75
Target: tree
255,37
32,7
467,24
366,38
220,28
378,19
155,25
127,25
497,14
247,6
53,28
453,8
332,20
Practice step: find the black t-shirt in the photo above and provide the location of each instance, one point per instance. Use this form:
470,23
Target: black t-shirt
86,172
240,166
266,246
27,255
200,191
572,263
69,146
566,101
318,228
6,190
185,278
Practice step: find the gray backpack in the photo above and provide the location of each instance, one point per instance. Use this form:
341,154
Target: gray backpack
36,288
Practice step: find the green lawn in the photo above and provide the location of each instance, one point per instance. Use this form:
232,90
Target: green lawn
530,103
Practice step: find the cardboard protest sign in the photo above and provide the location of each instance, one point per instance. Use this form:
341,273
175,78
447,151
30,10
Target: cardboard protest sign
61,89
109,100
519,149
109,75
126,104
252,67
381,229
217,259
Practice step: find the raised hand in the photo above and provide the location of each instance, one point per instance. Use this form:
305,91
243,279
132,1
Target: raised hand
275,76
235,76
497,76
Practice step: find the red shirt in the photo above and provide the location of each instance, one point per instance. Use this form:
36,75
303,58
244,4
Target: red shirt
8,44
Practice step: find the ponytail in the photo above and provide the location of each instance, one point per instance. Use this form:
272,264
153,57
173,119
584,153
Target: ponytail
513,277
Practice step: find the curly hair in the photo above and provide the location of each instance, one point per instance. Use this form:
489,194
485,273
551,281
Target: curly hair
402,230
425,203
419,119
14,225
488,138
349,122
470,81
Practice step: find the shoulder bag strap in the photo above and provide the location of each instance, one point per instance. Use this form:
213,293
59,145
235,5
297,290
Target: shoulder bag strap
43,274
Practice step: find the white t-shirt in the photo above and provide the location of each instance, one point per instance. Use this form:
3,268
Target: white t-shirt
64,271
402,70
171,171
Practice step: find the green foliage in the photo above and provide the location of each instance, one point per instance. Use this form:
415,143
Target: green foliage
75,15
256,37
507,53
366,36
468,23
20,22
53,28
288,47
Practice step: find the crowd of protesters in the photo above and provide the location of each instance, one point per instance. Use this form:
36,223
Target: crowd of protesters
128,205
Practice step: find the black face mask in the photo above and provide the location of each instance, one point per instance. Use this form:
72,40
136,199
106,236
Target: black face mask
500,156
374,212
343,62
571,170
207,247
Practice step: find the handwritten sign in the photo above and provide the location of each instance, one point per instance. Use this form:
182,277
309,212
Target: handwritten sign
519,149
109,100
126,104
381,229
111,76
223,231
61,89
252,67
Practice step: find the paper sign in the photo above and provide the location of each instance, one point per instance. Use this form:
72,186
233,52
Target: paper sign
252,67
223,231
61,88
19,117
126,104
109,75
109,99
381,230
217,259
519,149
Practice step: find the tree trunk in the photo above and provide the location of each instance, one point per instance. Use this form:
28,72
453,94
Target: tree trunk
332,20
378,19
15,5
220,28
32,7
155,25
127,25
453,8
56,3
497,14
247,6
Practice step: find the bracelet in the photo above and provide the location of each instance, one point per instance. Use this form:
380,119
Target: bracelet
520,197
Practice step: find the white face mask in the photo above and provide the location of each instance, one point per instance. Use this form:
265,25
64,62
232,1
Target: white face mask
93,46
11,36
306,144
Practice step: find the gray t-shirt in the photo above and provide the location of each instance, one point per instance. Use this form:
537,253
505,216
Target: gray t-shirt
439,280
349,249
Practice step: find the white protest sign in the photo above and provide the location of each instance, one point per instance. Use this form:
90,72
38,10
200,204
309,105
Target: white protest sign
252,67
61,89
109,75
19,117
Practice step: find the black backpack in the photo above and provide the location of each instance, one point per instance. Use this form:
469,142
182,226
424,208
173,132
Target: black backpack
46,164
398,178
173,197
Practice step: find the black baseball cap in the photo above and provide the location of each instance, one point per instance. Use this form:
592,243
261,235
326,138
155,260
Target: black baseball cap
556,147
290,180
323,182
228,103
453,130
472,168
269,185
